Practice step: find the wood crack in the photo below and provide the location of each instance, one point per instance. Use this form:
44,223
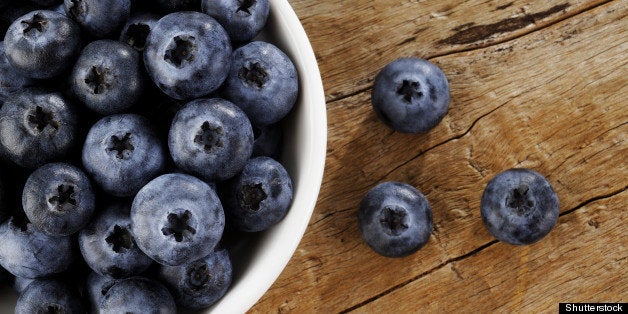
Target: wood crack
484,45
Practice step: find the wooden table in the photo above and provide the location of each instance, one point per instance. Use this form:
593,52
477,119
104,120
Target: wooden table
538,84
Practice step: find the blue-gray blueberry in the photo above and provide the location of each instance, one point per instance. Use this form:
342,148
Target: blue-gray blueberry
262,81
519,206
49,296
10,79
36,127
395,219
27,252
410,95
107,77
211,138
137,28
99,18
122,153
137,295
42,44
201,283
242,19
259,196
96,286
187,54
108,246
58,199
177,218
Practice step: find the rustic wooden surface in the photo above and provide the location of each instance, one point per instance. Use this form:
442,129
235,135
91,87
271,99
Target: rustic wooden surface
538,84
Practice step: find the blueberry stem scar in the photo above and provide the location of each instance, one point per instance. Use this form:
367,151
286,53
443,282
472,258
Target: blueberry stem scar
38,22
178,226
40,118
410,90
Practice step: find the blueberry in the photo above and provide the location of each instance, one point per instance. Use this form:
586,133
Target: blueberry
42,44
122,153
519,206
411,95
211,138
49,296
58,199
99,18
36,126
177,218
187,54
395,219
107,76
108,246
260,196
267,141
137,28
96,286
27,252
242,19
10,79
137,295
263,82
201,283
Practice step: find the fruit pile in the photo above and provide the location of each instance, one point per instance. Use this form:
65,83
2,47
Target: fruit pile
136,137
518,206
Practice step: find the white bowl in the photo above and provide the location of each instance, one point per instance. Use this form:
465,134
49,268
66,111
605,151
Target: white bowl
260,258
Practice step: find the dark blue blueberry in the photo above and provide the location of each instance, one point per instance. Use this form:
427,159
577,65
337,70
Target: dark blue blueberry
27,252
99,18
263,82
519,206
411,95
395,219
36,126
177,218
58,199
107,77
96,286
201,283
211,138
42,44
122,153
108,246
260,196
178,5
242,19
136,30
49,296
137,295
10,79
187,54
267,141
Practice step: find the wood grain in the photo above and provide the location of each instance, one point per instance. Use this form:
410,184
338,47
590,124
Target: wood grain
543,87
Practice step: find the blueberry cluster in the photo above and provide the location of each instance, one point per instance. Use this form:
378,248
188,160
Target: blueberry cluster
518,206
138,140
